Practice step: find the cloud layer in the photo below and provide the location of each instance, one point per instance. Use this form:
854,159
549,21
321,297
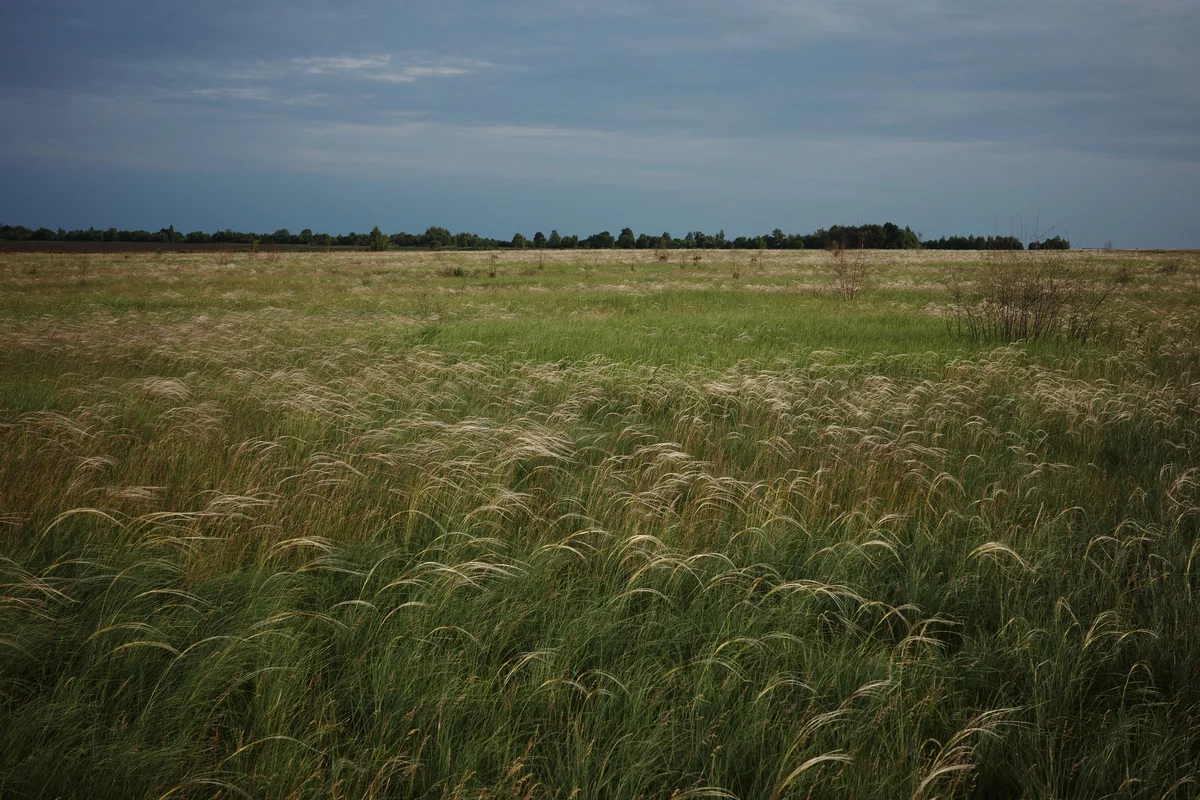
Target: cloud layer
793,112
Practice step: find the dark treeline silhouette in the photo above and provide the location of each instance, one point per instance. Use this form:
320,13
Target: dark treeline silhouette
974,243
888,236
994,243
1053,243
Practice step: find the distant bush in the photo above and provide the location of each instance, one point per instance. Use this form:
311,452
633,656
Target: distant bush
1018,297
849,269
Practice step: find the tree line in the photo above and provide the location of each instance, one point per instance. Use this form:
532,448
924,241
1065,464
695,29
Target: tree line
994,243
888,236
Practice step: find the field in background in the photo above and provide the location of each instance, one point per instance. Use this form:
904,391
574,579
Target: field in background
584,524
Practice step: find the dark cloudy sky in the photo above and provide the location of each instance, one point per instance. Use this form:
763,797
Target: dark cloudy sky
951,116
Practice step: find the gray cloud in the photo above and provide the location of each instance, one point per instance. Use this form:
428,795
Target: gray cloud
387,69
857,99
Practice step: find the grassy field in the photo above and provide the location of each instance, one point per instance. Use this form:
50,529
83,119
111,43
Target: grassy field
456,525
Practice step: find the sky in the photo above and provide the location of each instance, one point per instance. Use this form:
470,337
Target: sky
949,116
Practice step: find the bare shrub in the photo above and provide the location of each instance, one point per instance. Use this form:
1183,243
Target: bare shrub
1027,296
849,269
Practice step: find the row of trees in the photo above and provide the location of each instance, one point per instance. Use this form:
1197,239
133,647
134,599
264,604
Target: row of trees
888,236
169,235
994,243
974,243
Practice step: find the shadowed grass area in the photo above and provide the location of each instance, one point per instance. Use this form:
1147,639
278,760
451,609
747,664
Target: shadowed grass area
351,525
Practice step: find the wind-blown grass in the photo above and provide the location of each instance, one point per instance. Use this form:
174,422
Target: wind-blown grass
347,527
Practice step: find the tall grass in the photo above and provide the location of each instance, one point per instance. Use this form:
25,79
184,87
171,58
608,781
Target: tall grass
278,546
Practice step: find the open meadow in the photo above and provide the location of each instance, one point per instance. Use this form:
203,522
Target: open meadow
581,524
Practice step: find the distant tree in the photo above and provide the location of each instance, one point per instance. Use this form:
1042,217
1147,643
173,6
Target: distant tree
555,240
601,241
167,236
1056,243
465,240
625,239
435,237
306,236
539,240
518,241
378,241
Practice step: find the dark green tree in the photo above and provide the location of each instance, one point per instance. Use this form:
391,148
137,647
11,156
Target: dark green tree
436,237
625,240
1055,243
378,241
601,241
